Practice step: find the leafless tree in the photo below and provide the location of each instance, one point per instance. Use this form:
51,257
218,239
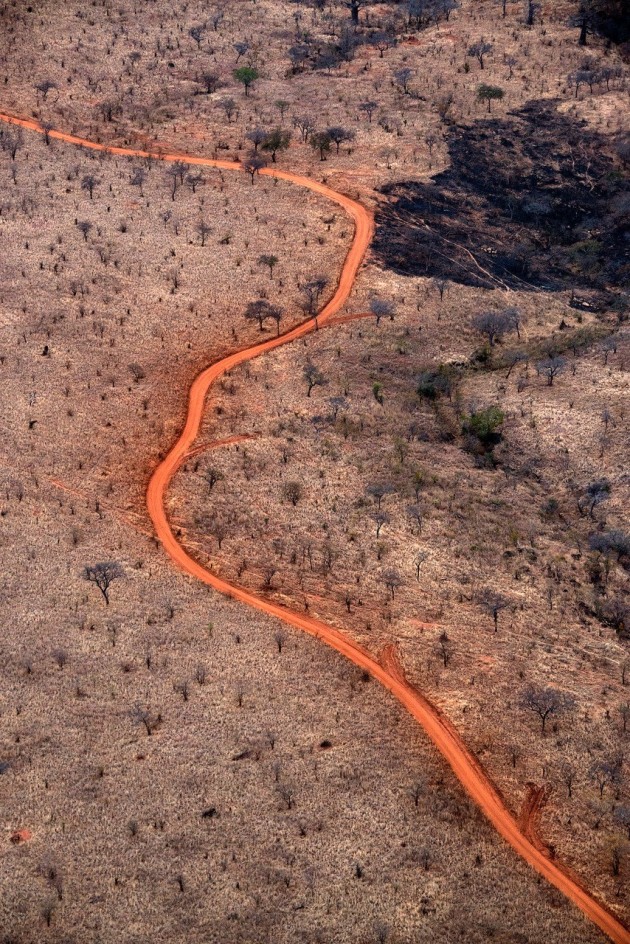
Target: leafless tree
479,50
379,490
382,308
143,716
229,107
606,773
314,377
532,10
254,164
402,78
550,367
368,108
380,519
182,688
88,183
392,580
292,491
212,476
103,574
493,603
494,324
211,82
546,702
445,648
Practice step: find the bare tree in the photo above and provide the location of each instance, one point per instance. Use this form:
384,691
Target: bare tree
257,136
229,107
606,772
493,603
494,324
532,9
379,490
380,519
292,491
204,230
138,178
368,108
381,308
260,310
212,476
479,50
392,580
402,78
143,716
196,33
211,82
254,164
340,135
88,183
546,702
103,575
445,648
550,367
314,377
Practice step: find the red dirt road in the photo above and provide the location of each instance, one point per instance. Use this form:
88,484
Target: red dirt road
387,670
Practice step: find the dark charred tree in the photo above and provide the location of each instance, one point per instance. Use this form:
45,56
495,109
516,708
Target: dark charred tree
211,82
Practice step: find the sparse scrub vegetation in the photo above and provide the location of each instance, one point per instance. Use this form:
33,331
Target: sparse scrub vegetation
441,470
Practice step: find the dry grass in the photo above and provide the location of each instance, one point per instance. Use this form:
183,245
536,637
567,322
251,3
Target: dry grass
120,849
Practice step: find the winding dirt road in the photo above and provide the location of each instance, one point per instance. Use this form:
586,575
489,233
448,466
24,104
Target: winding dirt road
387,670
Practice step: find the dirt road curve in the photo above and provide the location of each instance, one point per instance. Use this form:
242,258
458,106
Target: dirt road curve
387,670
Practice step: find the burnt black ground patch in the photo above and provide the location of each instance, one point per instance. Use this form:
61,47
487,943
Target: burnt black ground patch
533,200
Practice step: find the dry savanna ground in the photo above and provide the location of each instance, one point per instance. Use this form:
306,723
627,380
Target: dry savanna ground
184,769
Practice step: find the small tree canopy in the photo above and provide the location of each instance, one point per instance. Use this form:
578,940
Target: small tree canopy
489,93
247,75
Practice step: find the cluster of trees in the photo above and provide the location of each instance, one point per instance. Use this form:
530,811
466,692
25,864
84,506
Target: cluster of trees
592,73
